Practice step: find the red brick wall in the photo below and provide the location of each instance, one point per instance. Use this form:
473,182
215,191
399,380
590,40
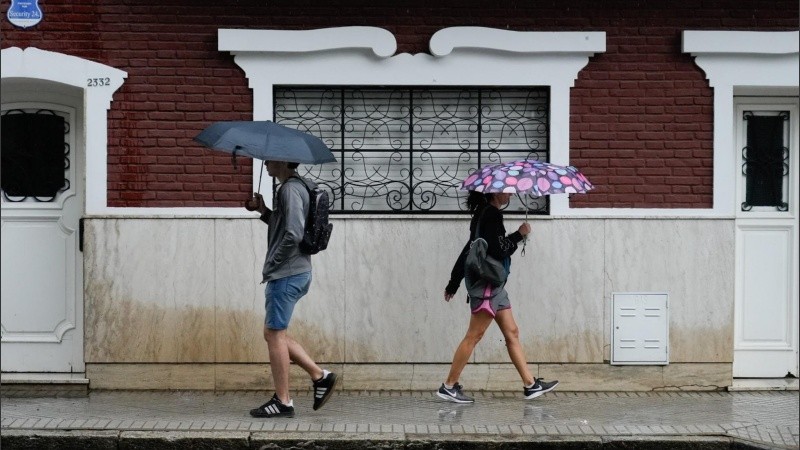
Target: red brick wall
641,113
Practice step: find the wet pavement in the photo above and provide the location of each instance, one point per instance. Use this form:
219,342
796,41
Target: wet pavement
765,419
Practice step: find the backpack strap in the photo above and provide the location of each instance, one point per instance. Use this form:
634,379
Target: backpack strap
478,225
301,180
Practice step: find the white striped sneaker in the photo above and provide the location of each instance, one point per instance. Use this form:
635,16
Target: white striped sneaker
273,408
323,388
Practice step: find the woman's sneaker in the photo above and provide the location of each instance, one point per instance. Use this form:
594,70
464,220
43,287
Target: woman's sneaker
539,387
323,389
455,394
274,408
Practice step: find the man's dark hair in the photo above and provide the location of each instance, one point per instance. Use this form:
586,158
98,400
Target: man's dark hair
292,165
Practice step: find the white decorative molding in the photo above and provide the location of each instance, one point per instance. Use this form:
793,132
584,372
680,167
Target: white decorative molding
443,42
35,64
489,58
380,41
736,62
753,42
55,336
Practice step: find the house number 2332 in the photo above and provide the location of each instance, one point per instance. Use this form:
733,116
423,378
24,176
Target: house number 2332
95,82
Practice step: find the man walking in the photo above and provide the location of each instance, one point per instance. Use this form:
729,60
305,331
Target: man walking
287,273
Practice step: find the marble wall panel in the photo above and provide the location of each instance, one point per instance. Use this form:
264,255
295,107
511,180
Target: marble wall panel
236,377
416,377
188,290
150,376
149,290
318,322
697,376
556,292
377,377
692,261
318,319
396,272
239,249
602,377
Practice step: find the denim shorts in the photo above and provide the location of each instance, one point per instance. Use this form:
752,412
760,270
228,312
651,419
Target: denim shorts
281,296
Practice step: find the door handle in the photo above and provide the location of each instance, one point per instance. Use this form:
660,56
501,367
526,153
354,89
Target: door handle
80,234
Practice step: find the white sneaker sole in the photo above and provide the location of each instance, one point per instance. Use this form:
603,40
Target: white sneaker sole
454,400
538,393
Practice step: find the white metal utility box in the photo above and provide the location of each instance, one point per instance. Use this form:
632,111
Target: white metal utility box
640,328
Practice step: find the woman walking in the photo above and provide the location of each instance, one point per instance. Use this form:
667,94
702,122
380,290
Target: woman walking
494,304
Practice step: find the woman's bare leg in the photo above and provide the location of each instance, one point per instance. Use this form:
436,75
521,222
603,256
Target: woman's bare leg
505,320
478,323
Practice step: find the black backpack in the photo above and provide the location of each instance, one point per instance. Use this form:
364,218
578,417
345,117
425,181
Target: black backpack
318,229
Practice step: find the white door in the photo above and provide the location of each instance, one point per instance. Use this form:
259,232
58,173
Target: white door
766,309
42,268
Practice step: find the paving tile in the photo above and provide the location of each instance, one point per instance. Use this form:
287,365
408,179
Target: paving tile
767,417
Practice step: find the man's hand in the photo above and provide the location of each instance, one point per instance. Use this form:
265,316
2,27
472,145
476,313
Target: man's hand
262,207
256,203
447,296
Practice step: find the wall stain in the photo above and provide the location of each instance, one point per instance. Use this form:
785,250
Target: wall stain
127,330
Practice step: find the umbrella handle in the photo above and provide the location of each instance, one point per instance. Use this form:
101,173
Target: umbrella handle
260,174
524,238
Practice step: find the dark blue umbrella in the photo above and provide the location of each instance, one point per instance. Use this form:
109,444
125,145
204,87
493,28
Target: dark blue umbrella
265,140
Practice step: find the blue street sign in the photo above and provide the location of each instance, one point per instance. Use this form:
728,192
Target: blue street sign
24,13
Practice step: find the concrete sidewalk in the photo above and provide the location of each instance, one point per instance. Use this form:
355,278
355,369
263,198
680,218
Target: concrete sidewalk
147,419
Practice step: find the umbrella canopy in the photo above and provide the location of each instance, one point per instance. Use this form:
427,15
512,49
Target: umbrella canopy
535,178
267,141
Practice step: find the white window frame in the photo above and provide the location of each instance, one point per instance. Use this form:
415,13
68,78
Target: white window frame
35,64
460,56
740,63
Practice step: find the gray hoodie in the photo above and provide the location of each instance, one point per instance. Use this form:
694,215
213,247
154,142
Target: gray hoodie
286,226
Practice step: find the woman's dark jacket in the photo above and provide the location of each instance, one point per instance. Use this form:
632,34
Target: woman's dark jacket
493,231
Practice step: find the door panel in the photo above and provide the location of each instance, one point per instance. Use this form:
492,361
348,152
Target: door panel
765,340
42,289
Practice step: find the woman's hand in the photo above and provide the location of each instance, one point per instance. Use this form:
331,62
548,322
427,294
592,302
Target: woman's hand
447,296
524,229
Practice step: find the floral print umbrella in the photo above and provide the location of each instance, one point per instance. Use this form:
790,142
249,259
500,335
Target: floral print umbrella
534,178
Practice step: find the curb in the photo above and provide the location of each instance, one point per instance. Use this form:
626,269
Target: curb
232,440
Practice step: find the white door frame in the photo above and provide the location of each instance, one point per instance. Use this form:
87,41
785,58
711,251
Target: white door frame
744,63
83,89
766,319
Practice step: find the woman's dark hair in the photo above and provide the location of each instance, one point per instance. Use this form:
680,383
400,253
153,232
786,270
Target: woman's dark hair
476,201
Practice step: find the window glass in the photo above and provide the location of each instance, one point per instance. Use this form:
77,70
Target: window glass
34,156
765,161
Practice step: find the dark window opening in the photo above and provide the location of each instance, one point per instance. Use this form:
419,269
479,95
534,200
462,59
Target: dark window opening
34,155
765,161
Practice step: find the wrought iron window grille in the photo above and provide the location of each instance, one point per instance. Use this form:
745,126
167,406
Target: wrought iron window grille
35,155
765,160
407,149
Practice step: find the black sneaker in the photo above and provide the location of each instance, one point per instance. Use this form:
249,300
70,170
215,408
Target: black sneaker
323,388
273,408
454,395
539,387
